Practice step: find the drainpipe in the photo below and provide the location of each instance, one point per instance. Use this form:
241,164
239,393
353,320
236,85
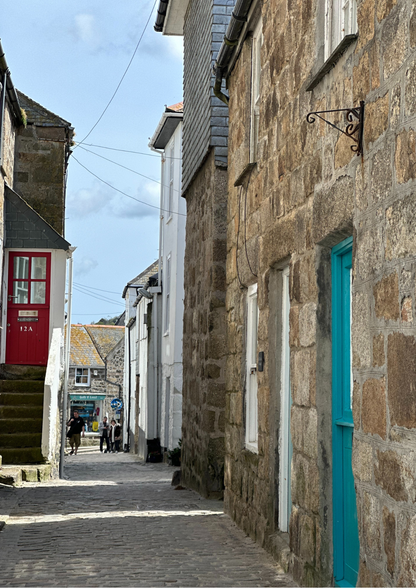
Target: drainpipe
231,38
127,449
66,362
2,107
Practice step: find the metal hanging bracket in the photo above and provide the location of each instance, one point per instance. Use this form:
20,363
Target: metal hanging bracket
355,124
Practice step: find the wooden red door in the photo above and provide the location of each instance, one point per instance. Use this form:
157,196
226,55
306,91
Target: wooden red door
28,308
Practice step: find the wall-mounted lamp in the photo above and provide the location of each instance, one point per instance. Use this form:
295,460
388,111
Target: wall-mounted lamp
145,293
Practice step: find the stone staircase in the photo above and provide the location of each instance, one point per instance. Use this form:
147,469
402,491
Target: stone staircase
21,411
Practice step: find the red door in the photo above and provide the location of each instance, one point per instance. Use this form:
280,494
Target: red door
28,308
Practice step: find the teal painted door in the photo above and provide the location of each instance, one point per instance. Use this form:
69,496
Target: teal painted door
345,530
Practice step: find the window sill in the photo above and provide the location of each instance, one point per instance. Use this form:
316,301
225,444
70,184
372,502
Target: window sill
253,447
331,61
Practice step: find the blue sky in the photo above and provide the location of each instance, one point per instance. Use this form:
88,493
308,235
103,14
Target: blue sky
70,57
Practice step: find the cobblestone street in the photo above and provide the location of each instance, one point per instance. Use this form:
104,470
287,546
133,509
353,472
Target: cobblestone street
117,522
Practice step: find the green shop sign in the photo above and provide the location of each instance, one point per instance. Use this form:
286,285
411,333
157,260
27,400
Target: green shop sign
87,396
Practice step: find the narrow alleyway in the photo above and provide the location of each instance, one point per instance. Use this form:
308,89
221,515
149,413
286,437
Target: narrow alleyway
118,522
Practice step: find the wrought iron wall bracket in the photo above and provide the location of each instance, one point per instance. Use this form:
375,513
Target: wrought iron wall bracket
355,124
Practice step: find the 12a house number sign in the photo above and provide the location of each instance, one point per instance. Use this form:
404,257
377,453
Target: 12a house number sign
26,328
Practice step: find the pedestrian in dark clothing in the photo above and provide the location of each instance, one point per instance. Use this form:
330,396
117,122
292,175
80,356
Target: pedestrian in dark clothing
115,436
103,428
76,429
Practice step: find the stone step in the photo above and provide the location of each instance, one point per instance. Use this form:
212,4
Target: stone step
19,386
21,412
14,475
18,440
22,372
21,399
22,455
18,425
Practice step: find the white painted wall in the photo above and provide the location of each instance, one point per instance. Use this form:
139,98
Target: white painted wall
173,252
54,372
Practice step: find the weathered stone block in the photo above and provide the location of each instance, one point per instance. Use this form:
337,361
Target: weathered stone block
332,208
376,118
361,79
360,336
400,234
386,296
307,324
389,525
371,520
401,367
407,552
378,350
394,40
405,157
373,412
381,175
300,377
362,461
406,314
392,475
365,19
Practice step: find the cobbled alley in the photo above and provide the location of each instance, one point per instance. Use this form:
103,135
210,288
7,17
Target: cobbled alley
115,521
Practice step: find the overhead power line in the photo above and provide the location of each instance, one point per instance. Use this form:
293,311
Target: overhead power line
124,193
122,77
129,169
91,288
128,151
103,299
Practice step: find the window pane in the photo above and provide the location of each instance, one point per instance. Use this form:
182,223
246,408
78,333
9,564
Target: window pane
20,293
37,292
38,268
21,268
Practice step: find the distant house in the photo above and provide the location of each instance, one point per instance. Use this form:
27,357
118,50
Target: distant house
142,361
35,146
167,139
95,371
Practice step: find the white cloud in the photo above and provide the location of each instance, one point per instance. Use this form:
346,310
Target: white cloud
127,208
89,201
84,266
86,30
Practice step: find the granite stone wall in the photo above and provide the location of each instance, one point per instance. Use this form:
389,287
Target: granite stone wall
307,193
204,343
39,175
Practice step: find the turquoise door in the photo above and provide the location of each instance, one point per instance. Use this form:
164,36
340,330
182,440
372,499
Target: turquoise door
345,531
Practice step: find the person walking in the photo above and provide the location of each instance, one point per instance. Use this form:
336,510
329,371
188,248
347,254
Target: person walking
115,435
103,428
76,429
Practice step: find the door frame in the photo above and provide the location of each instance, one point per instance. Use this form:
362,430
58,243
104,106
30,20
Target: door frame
341,382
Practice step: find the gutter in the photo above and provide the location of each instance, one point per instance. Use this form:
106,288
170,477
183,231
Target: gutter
161,14
231,38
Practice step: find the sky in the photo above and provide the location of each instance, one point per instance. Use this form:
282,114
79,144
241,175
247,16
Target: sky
70,57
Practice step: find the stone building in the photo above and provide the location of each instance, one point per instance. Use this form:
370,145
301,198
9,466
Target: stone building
204,186
95,371
34,150
320,282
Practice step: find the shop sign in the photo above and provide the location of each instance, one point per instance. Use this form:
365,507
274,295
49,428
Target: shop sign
87,396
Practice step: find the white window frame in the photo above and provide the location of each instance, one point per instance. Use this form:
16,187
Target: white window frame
255,89
340,20
285,442
252,426
167,294
81,375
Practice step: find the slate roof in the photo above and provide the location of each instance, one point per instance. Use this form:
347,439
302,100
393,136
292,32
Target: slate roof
90,344
143,278
83,351
38,114
25,228
105,337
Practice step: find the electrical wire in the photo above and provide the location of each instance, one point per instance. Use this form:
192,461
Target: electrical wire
122,77
128,151
124,193
98,297
129,169
91,288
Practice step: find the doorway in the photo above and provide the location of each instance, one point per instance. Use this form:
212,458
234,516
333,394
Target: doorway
28,304
345,528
